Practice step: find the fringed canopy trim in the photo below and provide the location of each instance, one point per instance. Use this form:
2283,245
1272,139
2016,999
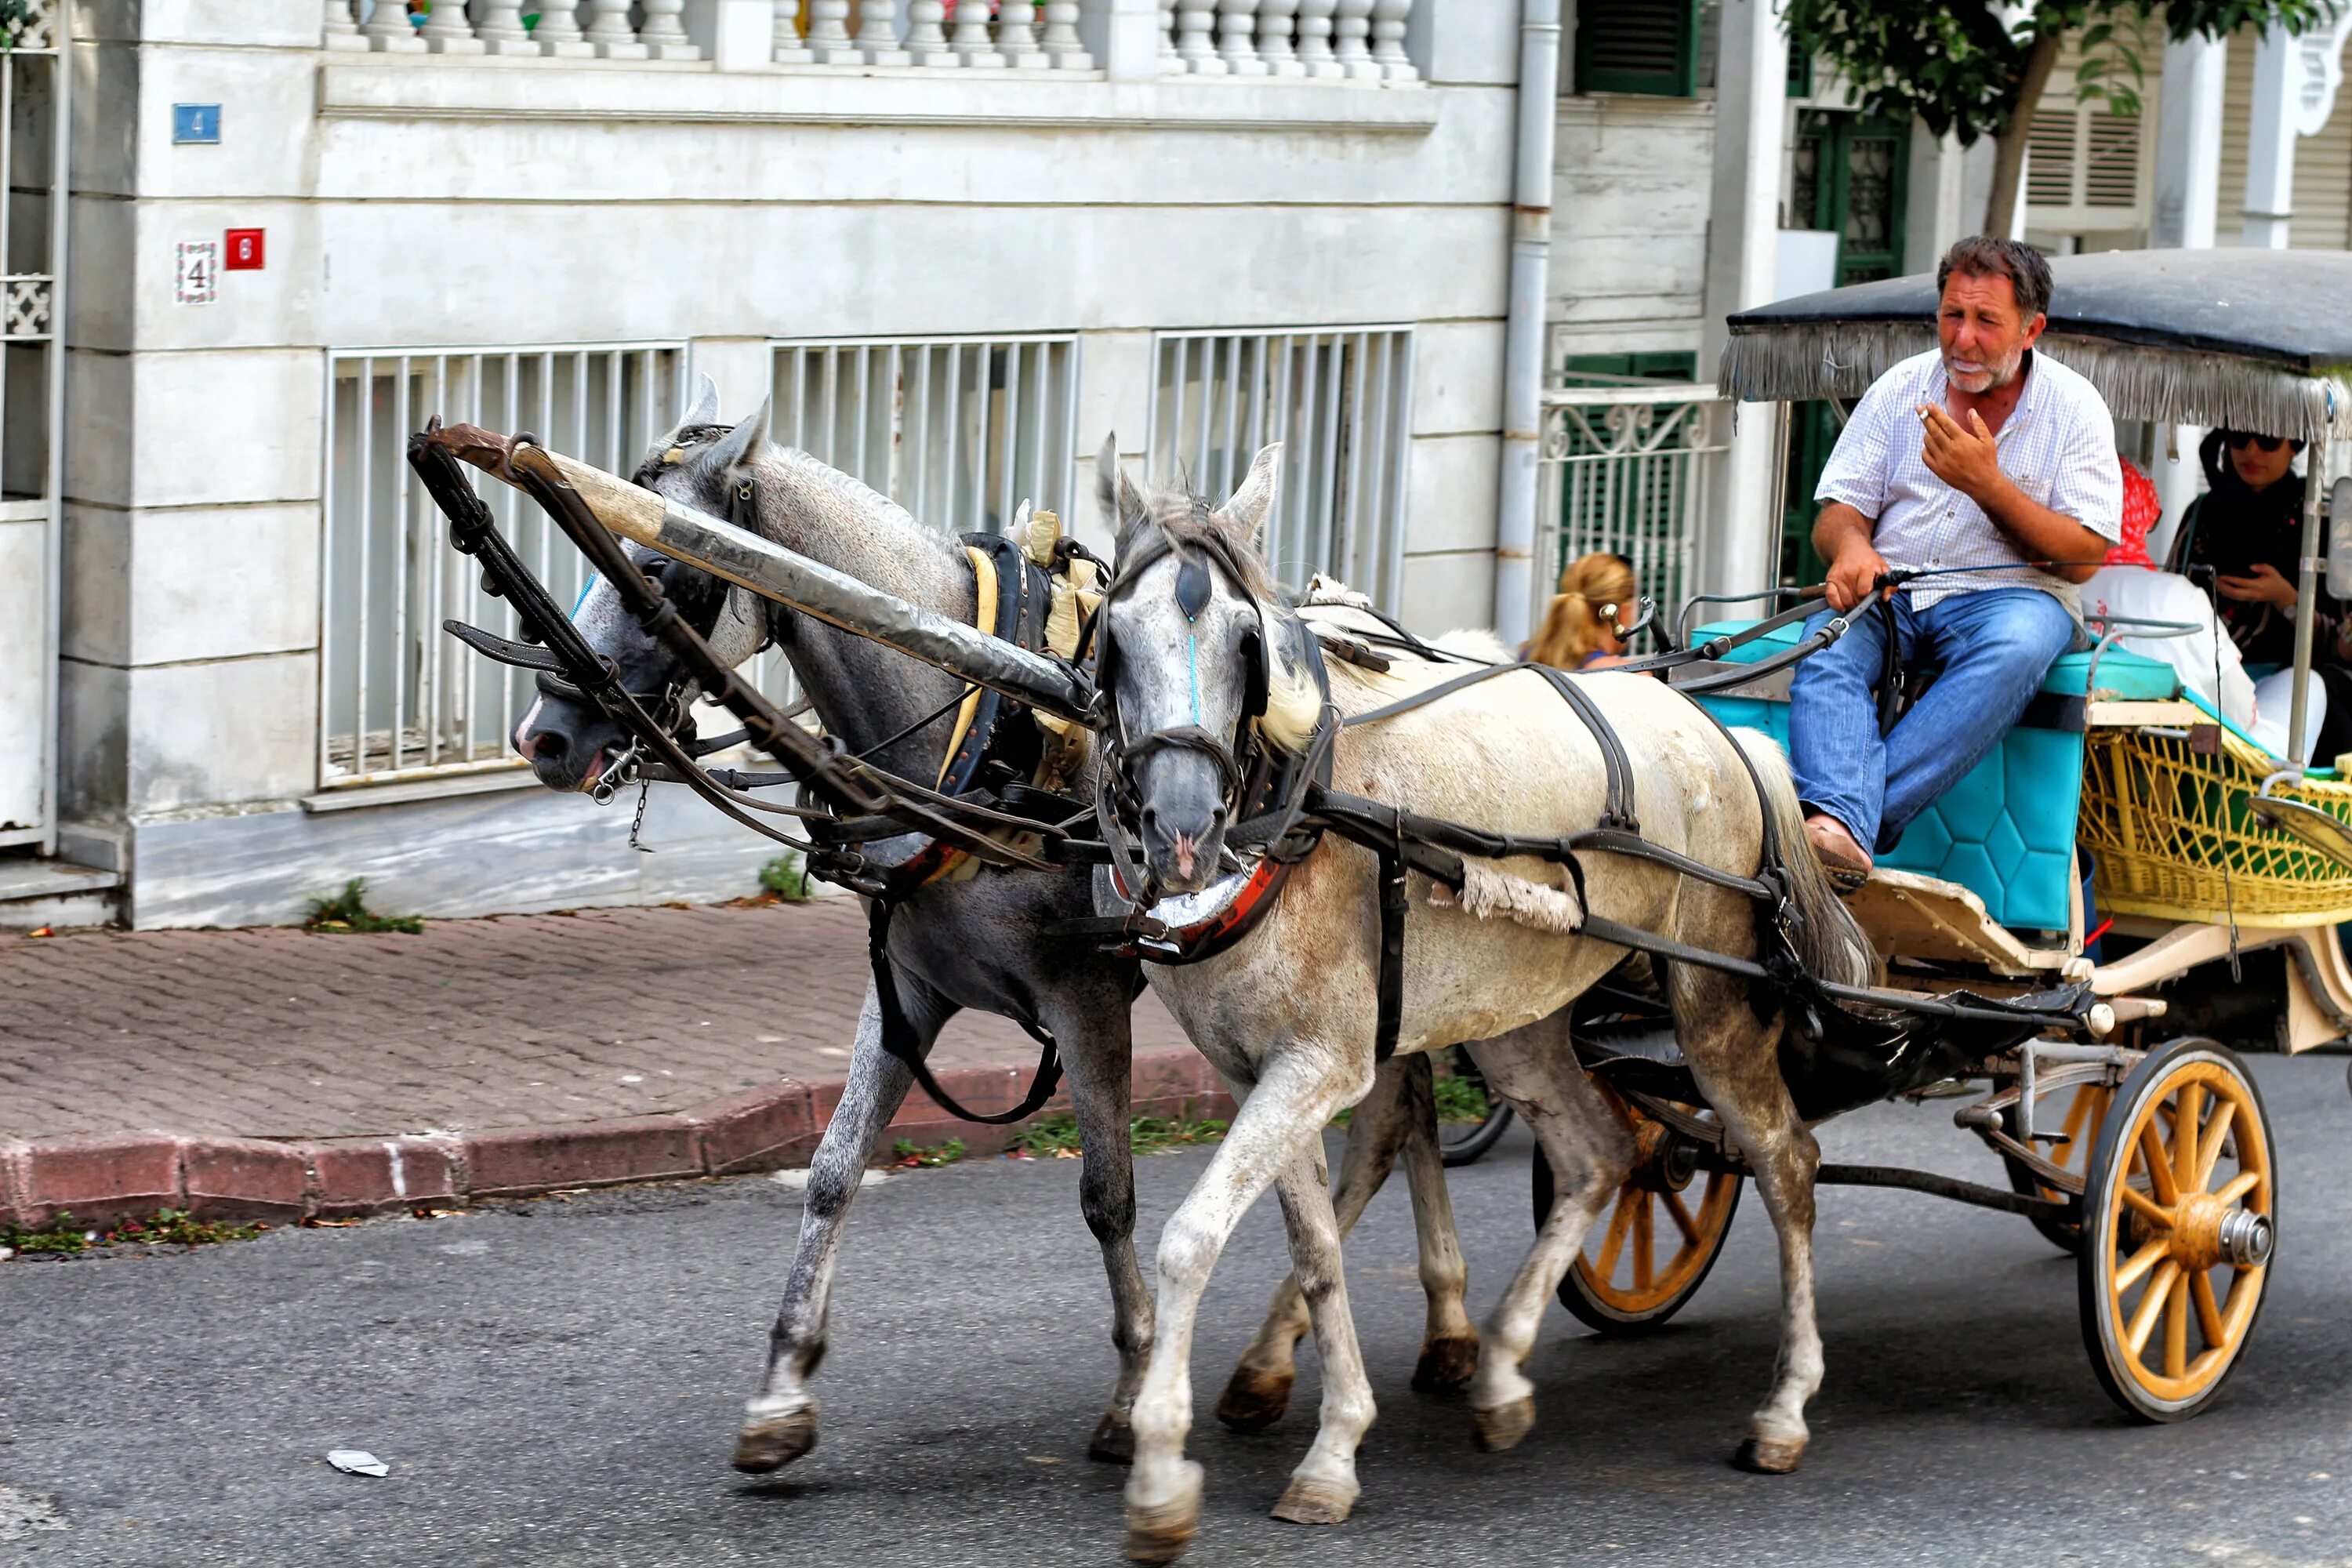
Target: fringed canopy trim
2180,386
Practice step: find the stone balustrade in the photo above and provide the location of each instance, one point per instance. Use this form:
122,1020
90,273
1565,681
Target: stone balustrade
1359,41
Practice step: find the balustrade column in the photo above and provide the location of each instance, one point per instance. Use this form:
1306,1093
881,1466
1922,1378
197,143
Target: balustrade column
787,50
388,30
1170,63
1196,37
1387,40
877,33
341,32
1016,35
1062,40
1237,37
971,41
609,30
1315,38
1350,27
927,39
828,34
501,29
1274,20
664,35
559,31
448,32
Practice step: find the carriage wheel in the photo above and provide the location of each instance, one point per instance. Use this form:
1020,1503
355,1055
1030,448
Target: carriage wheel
2178,1228
2084,1115
1651,1247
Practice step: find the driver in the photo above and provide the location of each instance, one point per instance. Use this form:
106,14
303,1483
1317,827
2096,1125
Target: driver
1971,461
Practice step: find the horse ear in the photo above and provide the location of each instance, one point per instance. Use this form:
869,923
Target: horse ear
1255,499
704,412
1112,492
742,445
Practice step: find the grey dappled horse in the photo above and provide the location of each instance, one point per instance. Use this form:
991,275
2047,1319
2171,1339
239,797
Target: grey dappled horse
980,942
1192,632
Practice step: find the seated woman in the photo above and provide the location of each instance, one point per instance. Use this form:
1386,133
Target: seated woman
1590,617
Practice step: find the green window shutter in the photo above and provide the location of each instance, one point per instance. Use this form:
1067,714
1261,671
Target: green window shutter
1638,45
1614,369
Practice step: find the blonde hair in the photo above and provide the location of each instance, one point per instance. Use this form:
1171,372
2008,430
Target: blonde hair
1594,590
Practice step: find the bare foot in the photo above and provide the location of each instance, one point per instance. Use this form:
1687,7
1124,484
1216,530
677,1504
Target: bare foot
1834,845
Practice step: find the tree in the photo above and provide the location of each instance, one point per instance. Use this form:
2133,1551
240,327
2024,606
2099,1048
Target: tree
1976,69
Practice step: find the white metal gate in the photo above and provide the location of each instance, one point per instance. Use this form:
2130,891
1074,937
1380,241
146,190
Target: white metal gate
34,119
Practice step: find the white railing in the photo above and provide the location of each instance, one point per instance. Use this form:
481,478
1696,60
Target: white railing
1340,401
1339,40
398,698
1626,471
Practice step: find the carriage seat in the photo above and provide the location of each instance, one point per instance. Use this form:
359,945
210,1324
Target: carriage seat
2006,831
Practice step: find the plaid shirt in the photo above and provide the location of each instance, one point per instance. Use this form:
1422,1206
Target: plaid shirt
2058,445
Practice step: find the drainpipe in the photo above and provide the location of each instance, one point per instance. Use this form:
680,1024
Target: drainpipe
1523,333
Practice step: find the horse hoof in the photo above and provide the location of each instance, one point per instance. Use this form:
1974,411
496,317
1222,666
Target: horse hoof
1446,1365
765,1446
1306,1501
1769,1456
1113,1440
1158,1532
1503,1427
1254,1401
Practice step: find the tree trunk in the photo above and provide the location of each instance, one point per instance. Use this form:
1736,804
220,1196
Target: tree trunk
2008,153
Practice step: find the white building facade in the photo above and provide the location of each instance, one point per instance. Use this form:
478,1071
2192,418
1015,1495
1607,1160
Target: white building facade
958,249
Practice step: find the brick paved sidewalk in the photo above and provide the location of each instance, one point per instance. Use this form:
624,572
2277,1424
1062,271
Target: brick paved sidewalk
516,1051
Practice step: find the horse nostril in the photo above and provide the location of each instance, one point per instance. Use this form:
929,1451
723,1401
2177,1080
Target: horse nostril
1150,819
544,745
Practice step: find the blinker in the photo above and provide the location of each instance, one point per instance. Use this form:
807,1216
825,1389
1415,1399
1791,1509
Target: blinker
1191,587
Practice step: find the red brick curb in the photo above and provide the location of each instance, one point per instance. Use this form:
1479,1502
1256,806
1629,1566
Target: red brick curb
129,1175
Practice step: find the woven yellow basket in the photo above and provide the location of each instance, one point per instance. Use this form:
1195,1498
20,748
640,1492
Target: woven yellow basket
2173,839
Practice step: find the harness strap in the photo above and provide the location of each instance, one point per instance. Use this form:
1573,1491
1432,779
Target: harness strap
898,1036
984,615
1389,1016
1617,802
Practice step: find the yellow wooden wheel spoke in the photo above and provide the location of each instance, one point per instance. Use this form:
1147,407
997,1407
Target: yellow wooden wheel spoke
1644,1259
2209,1153
2209,1311
2147,1206
1683,1221
2176,1329
2140,1262
2239,1185
2152,1158
2185,1125
2151,1306
1605,1266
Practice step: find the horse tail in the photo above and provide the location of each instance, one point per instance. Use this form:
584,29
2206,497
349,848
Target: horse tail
1829,941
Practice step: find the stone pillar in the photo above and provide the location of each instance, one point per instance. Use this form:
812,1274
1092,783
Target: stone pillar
787,49
665,36
559,31
1351,33
1276,20
1062,41
1314,37
388,30
1739,545
2269,144
828,34
339,31
1237,37
501,29
971,41
1196,22
877,33
1390,18
448,32
926,40
1016,35
1126,38
609,30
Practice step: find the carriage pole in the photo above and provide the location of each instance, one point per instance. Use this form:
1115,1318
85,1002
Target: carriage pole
2306,602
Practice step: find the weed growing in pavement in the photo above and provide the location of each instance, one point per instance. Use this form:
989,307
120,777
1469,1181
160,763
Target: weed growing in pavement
169,1227
787,877
1460,1100
912,1155
1056,1137
348,912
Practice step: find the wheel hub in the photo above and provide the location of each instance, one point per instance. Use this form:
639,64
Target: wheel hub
2205,1231
1664,1160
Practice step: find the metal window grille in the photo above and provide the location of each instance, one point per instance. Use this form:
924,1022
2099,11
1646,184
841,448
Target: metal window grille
960,431
1340,401
1629,466
398,698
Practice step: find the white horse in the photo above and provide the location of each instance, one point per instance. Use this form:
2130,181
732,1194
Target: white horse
1195,640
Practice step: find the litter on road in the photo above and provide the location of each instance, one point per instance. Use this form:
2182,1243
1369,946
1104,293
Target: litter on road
357,1462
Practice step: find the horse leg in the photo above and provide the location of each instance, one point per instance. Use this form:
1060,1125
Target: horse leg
1323,1488
780,1422
1099,1056
1733,1057
1590,1155
1449,1344
1259,1391
1292,1101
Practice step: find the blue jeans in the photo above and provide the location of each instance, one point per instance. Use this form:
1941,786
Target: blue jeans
1995,645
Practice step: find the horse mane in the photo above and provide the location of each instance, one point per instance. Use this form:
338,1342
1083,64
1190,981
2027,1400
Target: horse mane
1294,703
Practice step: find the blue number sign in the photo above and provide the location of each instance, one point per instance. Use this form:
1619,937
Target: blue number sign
197,123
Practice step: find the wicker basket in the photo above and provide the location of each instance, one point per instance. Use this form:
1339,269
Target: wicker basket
2172,838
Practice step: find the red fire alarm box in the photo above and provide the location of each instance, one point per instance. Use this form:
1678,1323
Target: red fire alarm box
243,252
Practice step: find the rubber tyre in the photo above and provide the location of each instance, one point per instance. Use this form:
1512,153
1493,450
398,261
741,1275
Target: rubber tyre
2161,1076
1473,1146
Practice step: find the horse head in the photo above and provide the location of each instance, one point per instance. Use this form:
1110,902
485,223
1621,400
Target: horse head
1197,651
569,741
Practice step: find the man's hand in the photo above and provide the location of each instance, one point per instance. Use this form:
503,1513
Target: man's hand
1854,573
2264,587
1965,459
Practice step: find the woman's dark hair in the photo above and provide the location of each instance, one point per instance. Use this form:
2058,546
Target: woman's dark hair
1983,255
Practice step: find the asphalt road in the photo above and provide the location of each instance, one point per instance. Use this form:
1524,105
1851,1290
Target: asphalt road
559,1383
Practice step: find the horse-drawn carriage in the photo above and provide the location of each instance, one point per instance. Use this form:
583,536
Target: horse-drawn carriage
1635,885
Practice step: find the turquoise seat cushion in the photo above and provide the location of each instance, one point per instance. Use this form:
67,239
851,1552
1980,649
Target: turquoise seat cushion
2006,831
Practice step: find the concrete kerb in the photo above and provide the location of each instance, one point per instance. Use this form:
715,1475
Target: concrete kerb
100,1180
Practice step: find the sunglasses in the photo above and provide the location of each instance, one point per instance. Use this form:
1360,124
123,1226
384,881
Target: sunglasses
2240,439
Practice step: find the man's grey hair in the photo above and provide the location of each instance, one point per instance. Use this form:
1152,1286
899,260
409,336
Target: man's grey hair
1983,255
